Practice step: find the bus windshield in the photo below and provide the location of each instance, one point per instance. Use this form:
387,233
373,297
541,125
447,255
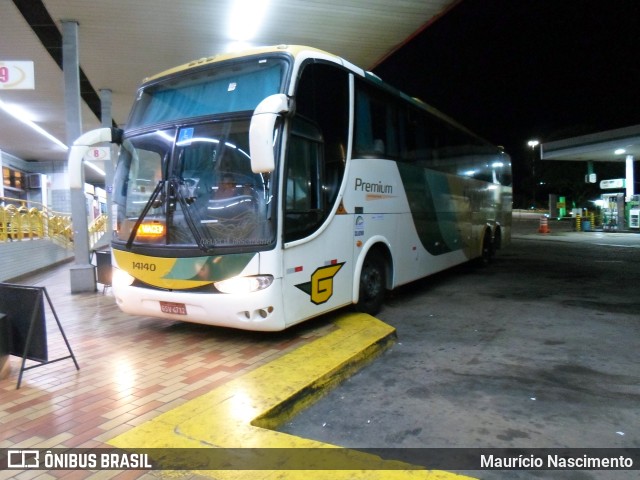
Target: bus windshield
193,186
230,87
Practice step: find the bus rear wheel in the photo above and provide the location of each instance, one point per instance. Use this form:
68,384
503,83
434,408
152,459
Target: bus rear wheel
372,286
488,250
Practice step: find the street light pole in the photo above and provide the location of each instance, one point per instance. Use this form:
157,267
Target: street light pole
533,144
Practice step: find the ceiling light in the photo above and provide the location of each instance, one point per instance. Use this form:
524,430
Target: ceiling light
20,115
246,18
620,151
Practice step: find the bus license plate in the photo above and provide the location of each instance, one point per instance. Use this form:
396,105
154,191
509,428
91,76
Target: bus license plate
174,308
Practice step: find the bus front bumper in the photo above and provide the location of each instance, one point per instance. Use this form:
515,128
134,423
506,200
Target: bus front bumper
261,311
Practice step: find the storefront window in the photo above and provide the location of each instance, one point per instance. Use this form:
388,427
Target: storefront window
12,178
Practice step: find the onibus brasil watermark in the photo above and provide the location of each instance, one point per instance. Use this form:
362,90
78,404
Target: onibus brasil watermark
24,459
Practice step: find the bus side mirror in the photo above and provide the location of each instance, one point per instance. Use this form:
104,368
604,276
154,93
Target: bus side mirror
261,130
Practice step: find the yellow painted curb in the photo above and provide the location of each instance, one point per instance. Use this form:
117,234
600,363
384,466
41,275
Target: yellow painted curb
242,412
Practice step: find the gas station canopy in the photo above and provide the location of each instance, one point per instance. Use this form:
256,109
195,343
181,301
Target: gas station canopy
609,146
618,145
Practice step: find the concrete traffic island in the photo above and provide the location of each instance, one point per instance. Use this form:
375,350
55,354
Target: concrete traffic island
242,413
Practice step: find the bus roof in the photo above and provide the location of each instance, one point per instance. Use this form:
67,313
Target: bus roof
293,50
311,52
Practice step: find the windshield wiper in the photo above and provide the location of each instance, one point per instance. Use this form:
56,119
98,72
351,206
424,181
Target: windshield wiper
191,216
176,194
150,203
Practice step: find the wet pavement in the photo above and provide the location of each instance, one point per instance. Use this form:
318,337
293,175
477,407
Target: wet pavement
537,350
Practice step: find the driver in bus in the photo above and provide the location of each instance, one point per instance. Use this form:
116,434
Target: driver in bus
226,188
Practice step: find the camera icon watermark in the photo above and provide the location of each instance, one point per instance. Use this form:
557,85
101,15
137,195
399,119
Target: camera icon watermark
23,459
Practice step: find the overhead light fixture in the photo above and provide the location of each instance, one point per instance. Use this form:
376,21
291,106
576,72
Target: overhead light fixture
246,18
20,115
619,151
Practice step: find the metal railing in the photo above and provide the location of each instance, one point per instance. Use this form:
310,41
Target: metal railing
97,229
25,220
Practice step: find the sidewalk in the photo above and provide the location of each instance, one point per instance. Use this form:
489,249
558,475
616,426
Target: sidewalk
131,370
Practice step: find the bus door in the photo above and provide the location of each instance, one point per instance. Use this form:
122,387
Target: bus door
317,242
318,247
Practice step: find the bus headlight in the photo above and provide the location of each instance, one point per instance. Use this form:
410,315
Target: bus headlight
244,284
121,278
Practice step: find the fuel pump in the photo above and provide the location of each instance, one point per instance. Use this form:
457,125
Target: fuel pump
613,211
633,212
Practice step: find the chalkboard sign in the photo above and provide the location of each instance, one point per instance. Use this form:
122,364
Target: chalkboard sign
24,307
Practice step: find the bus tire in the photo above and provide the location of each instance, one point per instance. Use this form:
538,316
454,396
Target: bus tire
372,285
487,249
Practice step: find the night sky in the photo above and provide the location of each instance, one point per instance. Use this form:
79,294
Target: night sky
514,70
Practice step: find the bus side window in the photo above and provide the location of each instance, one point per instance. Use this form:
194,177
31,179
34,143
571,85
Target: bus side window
304,199
301,175
380,124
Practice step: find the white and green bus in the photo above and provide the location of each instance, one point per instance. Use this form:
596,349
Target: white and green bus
260,189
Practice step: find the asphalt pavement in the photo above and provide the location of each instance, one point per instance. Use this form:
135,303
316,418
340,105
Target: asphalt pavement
537,350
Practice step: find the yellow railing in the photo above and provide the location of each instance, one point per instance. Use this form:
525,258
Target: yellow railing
24,220
97,228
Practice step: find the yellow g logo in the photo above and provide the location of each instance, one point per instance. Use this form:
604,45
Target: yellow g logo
320,288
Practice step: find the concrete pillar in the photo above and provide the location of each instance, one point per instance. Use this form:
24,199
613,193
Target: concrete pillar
107,121
553,206
629,177
82,274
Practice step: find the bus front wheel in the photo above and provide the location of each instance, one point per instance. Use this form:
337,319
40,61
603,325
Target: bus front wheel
372,286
